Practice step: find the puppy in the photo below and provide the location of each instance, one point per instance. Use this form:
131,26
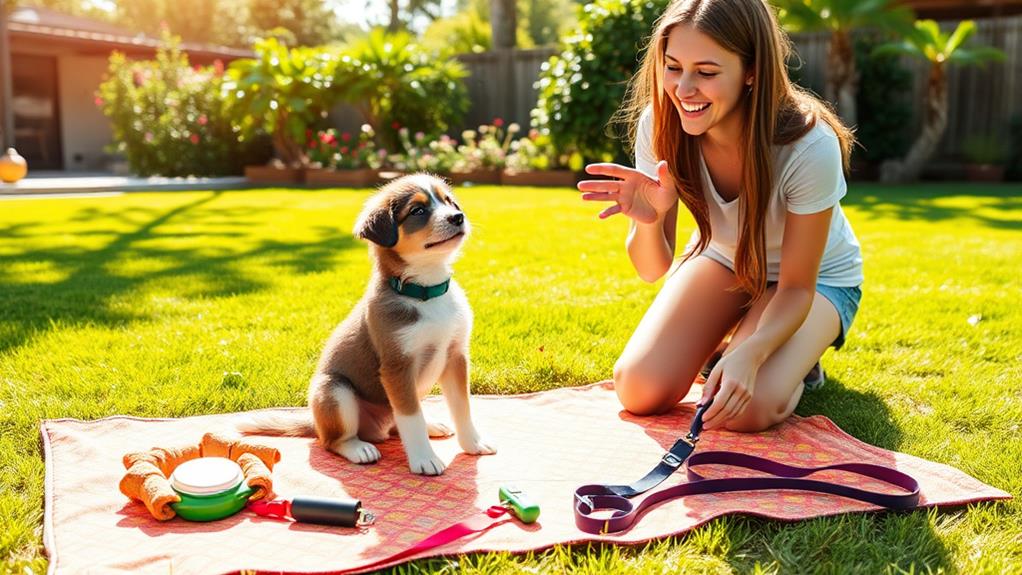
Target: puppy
410,330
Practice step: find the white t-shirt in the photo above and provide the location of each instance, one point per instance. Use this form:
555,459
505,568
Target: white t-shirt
808,178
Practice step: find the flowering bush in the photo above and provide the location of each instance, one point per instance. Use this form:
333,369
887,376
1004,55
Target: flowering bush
168,118
346,152
536,152
487,148
438,156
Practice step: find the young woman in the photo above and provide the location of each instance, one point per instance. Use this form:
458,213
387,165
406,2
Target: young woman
717,124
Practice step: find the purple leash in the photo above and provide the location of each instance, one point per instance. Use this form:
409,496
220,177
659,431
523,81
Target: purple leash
593,498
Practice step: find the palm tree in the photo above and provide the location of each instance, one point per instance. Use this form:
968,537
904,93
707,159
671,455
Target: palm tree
940,50
840,18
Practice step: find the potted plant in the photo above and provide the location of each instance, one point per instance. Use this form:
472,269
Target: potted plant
985,155
284,91
344,160
533,161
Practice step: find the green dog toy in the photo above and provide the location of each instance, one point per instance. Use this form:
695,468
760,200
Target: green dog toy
210,488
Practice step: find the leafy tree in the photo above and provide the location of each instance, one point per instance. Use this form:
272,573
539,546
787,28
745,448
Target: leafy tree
581,88
311,21
941,50
840,18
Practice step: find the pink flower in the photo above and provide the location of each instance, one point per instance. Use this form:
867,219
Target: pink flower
203,120
498,122
148,136
98,101
194,138
327,137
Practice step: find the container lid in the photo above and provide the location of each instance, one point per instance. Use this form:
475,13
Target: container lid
206,476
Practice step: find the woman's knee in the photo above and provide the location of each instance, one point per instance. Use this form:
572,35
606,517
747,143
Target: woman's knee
758,416
645,391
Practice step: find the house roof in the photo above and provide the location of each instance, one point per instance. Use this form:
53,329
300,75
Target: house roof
88,35
959,9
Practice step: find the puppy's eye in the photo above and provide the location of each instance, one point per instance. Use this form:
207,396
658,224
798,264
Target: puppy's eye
417,211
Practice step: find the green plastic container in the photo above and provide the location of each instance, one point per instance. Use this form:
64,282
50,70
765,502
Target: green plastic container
210,488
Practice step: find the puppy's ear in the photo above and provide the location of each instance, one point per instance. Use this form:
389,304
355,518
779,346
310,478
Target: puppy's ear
378,225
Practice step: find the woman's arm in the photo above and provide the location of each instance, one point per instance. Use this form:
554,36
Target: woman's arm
732,382
651,246
805,238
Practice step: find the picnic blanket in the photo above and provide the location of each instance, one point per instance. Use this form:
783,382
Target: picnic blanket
549,443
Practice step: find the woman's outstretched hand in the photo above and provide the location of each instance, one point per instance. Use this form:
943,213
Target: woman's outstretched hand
633,193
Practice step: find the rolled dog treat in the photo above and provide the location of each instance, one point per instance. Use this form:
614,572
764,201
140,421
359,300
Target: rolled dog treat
217,445
171,457
146,483
257,476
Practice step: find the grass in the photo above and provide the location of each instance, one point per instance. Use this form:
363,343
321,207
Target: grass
186,303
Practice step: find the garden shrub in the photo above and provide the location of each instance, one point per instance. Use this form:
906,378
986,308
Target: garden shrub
395,83
582,87
282,91
883,105
168,118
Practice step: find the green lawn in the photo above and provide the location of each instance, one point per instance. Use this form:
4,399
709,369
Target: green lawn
186,303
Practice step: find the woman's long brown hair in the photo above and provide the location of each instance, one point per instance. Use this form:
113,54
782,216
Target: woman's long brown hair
775,112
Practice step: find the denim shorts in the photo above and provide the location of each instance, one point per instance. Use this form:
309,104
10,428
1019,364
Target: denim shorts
846,302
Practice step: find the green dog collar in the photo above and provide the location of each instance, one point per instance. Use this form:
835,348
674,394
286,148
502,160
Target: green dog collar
419,291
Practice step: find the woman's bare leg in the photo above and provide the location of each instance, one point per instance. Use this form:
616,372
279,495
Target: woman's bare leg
779,381
693,312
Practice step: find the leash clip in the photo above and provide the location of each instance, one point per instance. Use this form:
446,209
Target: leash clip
365,518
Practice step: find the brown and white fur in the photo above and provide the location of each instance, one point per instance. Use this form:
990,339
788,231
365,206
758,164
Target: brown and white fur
391,349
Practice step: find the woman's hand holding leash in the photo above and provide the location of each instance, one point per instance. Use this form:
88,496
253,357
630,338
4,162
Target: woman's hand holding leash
634,194
730,386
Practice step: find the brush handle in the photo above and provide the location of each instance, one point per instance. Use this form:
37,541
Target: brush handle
326,510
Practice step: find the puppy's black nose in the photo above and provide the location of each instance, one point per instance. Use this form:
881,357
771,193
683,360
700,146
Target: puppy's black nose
457,219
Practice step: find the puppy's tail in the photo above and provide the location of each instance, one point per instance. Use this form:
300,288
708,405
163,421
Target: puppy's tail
292,423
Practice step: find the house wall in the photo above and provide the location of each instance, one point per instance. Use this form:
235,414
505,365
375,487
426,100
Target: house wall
85,131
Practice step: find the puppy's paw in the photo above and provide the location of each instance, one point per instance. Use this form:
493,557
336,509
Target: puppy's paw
357,451
476,446
437,429
428,465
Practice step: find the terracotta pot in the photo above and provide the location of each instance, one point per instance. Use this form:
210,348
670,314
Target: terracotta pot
274,175
481,177
984,172
359,178
13,167
559,178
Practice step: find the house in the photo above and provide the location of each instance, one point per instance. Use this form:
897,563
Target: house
57,64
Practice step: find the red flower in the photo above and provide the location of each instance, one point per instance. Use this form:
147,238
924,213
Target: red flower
194,138
346,137
498,122
98,101
218,67
327,137
395,125
344,150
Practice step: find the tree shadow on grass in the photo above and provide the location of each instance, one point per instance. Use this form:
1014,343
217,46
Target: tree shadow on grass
89,287
863,415
921,202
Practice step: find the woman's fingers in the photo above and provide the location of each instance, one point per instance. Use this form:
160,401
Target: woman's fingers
599,185
601,196
615,209
612,170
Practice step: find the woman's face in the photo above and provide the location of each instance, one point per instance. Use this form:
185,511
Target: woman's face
705,82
